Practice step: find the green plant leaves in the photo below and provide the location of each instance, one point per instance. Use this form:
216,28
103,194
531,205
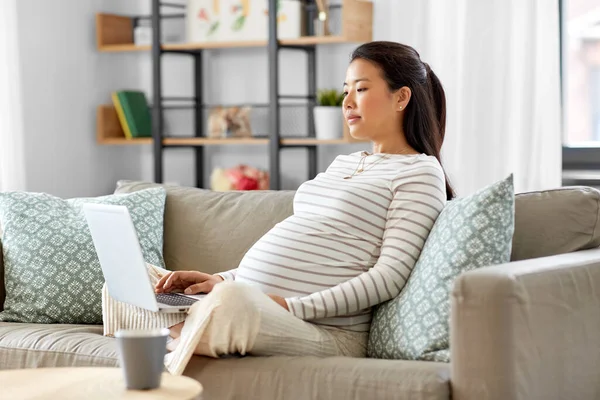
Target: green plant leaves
330,98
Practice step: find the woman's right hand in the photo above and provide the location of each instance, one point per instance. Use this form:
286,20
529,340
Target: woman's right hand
191,282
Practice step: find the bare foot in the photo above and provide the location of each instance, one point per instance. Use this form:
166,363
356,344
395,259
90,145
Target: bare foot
172,345
175,330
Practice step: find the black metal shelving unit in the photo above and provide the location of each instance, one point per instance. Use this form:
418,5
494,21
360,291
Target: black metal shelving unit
275,145
274,47
158,100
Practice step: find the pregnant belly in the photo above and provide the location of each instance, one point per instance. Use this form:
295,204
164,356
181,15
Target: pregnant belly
290,263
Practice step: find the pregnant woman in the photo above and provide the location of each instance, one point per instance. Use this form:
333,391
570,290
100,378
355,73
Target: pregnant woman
307,287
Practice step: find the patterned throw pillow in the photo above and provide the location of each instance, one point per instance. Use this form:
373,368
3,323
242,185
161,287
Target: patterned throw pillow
470,232
52,272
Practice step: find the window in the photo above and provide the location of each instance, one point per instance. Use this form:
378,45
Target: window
580,42
581,78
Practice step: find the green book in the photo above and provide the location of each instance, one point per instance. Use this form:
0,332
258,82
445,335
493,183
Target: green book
137,113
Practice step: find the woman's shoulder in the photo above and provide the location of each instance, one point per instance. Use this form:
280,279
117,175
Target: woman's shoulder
403,163
350,156
414,162
421,168
346,160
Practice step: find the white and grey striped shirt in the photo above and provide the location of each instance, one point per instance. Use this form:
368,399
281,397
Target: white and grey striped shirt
350,243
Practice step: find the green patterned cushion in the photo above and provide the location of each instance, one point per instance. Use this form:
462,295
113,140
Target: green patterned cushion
52,272
470,232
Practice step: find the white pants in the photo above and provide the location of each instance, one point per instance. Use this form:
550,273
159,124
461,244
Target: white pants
235,318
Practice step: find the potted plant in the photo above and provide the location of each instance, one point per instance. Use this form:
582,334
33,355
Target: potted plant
328,114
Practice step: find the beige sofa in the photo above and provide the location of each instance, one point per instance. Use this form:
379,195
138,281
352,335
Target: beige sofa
524,330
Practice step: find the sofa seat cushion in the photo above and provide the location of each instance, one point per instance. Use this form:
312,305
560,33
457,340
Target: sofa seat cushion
322,378
40,345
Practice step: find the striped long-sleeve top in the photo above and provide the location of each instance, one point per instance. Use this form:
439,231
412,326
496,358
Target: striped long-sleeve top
350,243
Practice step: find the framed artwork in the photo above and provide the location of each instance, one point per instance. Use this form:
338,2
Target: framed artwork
237,20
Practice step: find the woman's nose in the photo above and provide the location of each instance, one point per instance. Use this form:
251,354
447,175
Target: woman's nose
348,102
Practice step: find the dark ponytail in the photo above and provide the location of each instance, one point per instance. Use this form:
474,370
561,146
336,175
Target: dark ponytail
425,114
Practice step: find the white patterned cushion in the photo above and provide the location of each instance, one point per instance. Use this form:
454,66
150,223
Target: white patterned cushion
470,232
52,272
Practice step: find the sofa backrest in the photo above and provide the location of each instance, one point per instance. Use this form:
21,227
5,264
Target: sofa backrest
556,221
218,228
211,231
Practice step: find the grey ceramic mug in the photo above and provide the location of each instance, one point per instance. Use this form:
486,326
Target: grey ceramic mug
141,356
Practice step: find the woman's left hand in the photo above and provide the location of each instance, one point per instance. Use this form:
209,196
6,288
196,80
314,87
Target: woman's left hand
279,300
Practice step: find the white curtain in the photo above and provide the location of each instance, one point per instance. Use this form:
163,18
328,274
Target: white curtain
12,166
499,63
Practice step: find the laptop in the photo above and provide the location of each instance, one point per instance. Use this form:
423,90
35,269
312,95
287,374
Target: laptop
122,261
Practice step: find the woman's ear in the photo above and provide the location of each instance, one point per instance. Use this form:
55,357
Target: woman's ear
403,98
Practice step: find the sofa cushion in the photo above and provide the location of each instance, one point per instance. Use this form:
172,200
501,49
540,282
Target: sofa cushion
323,378
471,232
39,346
55,345
211,231
52,272
557,221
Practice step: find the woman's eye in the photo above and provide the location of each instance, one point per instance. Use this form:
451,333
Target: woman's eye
361,89
345,94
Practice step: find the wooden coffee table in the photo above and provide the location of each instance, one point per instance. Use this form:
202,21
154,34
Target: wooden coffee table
89,383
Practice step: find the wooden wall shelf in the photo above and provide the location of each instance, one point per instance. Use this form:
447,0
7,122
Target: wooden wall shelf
193,141
109,132
303,41
311,141
114,33
108,128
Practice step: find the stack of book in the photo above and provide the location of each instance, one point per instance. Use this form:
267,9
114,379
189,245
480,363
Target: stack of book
134,113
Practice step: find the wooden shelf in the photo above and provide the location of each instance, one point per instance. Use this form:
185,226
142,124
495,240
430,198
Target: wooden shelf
219,142
122,48
109,132
114,33
108,127
311,141
183,46
303,41
210,141
310,40
124,141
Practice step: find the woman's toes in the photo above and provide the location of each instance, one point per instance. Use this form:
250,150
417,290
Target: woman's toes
175,330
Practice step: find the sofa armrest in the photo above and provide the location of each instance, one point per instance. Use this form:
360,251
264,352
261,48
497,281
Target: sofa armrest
528,330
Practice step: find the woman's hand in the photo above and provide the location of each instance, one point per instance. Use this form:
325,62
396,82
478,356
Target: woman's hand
279,300
191,282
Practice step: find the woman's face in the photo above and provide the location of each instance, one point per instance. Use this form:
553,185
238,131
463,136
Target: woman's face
370,109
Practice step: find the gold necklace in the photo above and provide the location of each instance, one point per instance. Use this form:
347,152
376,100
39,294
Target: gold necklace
365,154
360,170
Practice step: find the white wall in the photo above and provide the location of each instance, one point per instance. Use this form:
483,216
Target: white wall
12,163
63,79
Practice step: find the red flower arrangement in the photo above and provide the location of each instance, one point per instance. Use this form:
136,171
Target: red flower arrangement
242,177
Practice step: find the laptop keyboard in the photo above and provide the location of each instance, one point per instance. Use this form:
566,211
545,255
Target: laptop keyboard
172,299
